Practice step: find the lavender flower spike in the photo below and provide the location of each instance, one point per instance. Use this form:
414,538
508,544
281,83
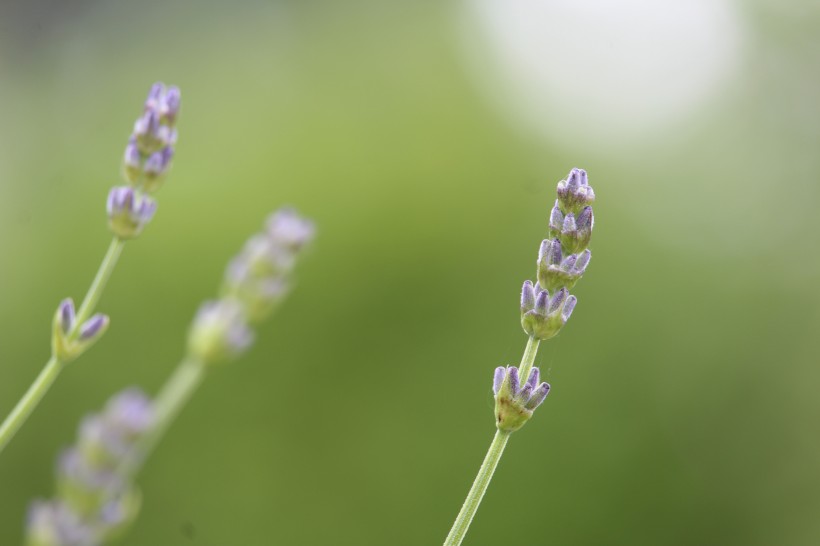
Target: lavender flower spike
94,499
259,277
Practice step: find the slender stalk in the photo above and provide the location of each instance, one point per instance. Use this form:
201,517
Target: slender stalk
528,359
485,473
168,403
25,406
98,285
29,401
482,481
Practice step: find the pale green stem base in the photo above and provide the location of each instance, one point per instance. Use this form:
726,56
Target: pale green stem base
482,481
53,367
168,403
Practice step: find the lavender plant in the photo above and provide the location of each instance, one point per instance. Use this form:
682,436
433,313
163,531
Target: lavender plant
147,159
545,309
96,497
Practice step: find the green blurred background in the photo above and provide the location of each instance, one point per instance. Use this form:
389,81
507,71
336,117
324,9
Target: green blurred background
685,399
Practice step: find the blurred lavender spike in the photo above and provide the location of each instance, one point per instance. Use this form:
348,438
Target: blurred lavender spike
150,148
94,499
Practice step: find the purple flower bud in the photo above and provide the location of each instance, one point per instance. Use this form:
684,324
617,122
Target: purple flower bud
538,396
66,314
568,307
569,224
554,253
287,228
582,262
512,377
569,262
498,378
132,161
93,327
527,296
158,163
130,411
558,300
146,125
575,192
532,380
585,219
128,211
154,98
170,105
219,331
556,218
55,524
525,393
541,302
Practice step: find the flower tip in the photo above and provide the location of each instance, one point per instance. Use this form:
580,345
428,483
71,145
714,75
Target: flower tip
498,378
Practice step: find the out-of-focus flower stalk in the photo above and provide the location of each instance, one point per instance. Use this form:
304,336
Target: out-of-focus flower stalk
96,497
147,160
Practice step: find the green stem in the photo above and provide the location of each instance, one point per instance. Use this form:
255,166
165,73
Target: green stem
168,403
25,406
482,481
29,401
98,285
528,359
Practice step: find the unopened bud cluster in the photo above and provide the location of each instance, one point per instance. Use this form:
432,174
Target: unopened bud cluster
255,282
562,259
69,338
515,403
146,162
94,500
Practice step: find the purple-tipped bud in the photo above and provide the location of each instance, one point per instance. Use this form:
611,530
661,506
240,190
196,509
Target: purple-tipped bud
94,327
169,108
130,411
498,378
535,375
569,262
582,262
575,192
156,167
554,253
54,524
541,302
512,375
558,300
132,161
146,125
219,332
287,228
66,311
527,296
556,218
152,102
525,393
538,396
569,224
566,312
128,211
585,219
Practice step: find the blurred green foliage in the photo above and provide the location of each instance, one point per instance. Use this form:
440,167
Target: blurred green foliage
684,407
